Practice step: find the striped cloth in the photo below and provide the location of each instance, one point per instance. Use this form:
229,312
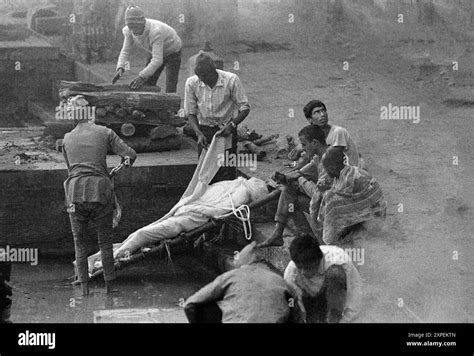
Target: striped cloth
355,197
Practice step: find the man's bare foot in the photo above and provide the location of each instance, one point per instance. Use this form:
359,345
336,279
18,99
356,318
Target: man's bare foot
276,239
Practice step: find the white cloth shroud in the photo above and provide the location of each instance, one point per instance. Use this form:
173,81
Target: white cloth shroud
199,203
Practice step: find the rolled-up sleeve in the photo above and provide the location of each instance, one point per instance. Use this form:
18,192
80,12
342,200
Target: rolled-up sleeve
126,47
239,97
190,98
340,137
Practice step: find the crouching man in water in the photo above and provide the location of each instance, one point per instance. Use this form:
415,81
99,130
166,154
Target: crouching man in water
250,293
325,280
89,192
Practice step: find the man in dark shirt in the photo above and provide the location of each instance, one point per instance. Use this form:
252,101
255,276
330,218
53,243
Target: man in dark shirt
89,192
250,293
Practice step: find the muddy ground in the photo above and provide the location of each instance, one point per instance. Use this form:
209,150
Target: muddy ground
419,267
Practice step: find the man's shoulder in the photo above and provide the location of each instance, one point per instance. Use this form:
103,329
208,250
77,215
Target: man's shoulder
157,27
339,130
290,271
192,81
102,130
330,249
156,23
227,75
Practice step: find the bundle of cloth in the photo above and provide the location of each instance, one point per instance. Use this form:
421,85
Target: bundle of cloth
199,203
354,197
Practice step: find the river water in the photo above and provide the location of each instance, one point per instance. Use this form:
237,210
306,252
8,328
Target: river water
43,293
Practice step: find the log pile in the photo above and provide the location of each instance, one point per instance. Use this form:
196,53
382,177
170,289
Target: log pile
145,119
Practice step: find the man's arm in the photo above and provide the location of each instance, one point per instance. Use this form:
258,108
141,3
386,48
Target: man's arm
239,97
212,292
290,278
120,148
65,157
125,52
191,110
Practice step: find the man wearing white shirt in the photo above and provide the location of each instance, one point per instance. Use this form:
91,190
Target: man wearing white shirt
162,44
326,281
215,103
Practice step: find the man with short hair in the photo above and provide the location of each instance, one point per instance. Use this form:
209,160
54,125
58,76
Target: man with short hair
336,136
215,103
162,44
250,293
89,192
354,197
325,280
300,186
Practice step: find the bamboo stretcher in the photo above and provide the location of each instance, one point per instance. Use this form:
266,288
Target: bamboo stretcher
181,243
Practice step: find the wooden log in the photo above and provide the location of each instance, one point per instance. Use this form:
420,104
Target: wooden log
101,112
89,87
173,120
145,144
162,131
112,118
141,100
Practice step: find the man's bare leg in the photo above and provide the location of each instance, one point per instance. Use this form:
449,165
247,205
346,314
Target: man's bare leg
85,289
277,237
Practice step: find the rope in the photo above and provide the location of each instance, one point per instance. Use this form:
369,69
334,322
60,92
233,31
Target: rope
242,213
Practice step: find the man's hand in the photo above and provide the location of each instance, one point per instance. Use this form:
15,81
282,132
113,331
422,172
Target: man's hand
118,75
226,131
137,83
292,175
323,184
202,141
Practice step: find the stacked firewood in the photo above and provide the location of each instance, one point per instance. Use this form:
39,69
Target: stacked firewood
147,119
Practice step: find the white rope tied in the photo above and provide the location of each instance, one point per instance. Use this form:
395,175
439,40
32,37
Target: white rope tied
242,213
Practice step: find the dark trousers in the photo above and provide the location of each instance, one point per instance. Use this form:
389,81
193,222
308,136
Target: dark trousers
328,305
209,313
172,64
225,172
102,216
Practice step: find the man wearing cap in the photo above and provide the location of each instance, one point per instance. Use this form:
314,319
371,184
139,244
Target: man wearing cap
162,44
215,103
